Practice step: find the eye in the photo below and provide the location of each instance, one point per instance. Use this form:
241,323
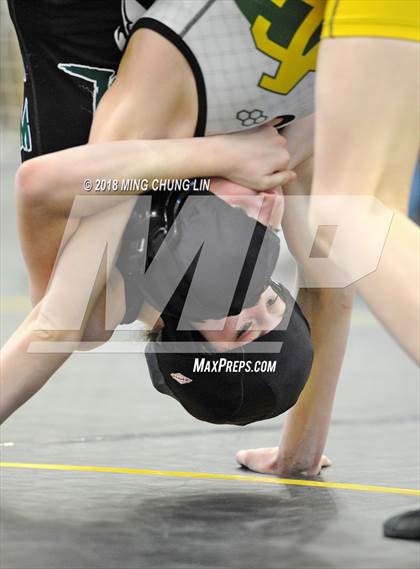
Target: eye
243,329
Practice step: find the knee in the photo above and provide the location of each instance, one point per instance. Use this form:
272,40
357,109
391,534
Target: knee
32,184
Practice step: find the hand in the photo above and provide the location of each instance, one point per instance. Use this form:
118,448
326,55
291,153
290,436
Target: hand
259,158
268,461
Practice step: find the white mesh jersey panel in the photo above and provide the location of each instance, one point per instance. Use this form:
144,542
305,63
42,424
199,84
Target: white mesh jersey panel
220,37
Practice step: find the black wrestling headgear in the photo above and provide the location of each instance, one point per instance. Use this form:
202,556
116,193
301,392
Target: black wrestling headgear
229,255
201,383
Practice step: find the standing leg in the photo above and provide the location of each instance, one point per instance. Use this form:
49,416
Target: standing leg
367,143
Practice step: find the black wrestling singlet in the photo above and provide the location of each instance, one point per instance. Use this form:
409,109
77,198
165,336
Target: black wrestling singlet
70,55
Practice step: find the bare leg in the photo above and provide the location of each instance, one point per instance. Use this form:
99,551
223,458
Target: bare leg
40,252
107,313
328,311
367,143
25,372
132,108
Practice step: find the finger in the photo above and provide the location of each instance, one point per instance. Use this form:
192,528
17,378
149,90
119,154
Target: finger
280,179
241,456
259,460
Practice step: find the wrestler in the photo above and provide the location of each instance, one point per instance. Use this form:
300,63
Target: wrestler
379,174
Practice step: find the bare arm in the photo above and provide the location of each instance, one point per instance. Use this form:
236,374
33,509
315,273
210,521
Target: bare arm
328,312
54,180
25,365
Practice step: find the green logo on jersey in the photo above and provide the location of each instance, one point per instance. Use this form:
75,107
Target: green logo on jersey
100,78
25,129
288,31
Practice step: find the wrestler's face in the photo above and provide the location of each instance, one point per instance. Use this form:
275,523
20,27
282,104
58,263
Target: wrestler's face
247,326
267,207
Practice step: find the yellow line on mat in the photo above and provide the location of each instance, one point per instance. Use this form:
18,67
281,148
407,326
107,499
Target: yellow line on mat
211,476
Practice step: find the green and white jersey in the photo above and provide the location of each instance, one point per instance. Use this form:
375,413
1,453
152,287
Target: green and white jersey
253,60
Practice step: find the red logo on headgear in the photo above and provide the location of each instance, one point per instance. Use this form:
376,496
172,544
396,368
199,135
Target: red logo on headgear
180,378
